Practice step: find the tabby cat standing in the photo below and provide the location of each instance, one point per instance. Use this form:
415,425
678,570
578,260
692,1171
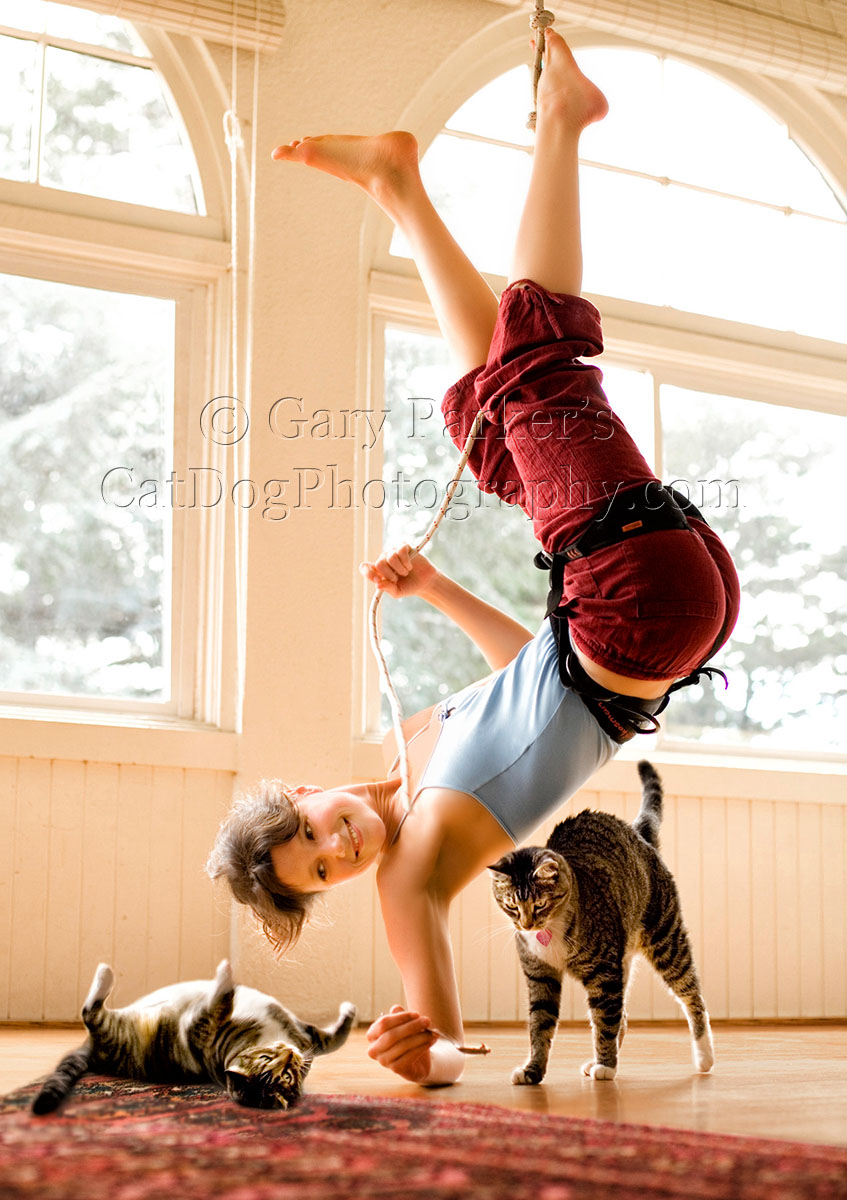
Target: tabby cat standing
586,903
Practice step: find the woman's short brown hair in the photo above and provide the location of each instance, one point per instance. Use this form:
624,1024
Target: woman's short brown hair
262,817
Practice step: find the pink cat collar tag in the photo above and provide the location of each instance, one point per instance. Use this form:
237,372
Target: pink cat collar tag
544,936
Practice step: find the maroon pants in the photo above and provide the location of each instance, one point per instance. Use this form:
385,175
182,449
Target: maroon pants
653,607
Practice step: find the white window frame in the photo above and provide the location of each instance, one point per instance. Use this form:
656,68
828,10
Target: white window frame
689,350
69,237
159,49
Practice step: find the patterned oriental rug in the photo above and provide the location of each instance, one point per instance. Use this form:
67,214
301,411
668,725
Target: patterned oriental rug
120,1140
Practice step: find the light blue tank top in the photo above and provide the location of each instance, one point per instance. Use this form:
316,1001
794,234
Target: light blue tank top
521,744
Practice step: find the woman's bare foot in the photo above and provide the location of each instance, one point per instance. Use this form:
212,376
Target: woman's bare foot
564,90
382,165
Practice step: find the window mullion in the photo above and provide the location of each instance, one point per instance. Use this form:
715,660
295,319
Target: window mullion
369,464
110,53
107,53
658,450
37,115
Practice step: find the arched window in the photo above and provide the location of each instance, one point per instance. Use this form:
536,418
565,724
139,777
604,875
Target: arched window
716,249
112,278
85,109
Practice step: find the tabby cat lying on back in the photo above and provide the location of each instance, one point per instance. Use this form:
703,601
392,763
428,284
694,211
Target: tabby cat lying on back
597,894
204,1031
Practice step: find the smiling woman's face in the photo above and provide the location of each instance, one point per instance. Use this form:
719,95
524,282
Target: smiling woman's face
338,838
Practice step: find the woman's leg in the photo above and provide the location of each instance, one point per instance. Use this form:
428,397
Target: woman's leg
548,243
386,167
548,248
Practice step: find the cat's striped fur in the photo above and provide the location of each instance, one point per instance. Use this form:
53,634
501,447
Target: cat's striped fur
203,1031
590,900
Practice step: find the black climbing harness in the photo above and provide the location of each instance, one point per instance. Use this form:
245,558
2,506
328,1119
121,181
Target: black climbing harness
631,513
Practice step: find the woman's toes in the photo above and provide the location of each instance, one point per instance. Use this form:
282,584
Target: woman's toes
287,148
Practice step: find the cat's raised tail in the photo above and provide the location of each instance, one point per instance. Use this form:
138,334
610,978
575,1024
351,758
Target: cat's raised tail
649,820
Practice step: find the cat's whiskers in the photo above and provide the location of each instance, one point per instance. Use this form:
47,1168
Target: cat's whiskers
488,935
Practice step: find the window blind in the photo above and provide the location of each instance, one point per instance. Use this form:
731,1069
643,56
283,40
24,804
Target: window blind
801,40
253,24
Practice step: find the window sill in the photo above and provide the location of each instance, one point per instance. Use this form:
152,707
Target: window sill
713,775
101,736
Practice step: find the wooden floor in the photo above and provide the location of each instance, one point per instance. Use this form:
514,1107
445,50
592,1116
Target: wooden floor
780,1081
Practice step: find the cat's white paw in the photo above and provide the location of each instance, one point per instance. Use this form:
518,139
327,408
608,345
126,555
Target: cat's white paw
704,1053
595,1070
223,976
529,1074
346,1009
101,985
104,979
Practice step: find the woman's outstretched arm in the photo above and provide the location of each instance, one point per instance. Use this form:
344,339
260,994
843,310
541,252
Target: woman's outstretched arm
402,573
447,842
415,911
416,923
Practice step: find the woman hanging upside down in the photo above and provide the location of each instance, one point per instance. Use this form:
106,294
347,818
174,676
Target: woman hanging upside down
643,594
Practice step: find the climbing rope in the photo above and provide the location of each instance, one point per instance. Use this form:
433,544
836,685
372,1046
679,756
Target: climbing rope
540,20
373,622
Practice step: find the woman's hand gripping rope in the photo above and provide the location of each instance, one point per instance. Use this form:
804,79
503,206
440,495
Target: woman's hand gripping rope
400,573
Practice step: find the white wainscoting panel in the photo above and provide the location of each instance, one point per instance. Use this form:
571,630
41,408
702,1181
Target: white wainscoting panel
104,862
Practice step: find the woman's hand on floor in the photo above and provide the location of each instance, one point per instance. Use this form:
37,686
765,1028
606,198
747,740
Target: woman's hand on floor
401,1041
400,572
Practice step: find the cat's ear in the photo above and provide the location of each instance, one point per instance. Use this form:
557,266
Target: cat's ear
547,867
501,867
